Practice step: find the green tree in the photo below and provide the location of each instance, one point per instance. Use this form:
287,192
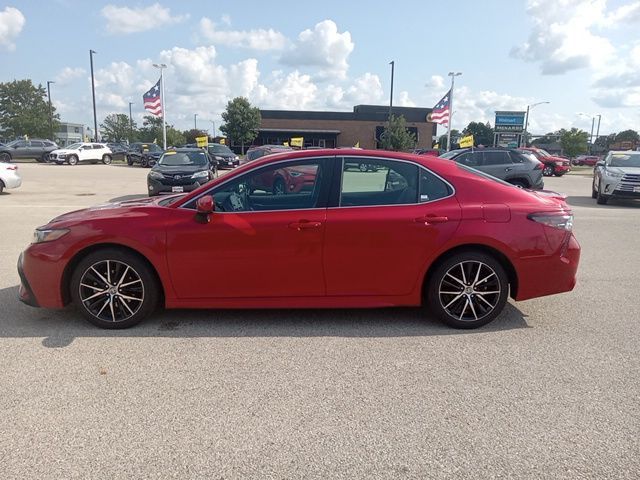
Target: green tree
603,143
242,121
546,139
455,138
151,131
396,136
24,110
116,127
628,136
574,142
190,135
482,133
175,137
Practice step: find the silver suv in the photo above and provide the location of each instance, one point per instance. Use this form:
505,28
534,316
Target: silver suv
618,175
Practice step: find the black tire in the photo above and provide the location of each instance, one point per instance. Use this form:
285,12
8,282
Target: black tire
594,193
72,160
43,158
141,289
106,159
5,157
548,170
558,174
279,187
129,160
451,308
363,167
600,198
1,186
519,183
143,162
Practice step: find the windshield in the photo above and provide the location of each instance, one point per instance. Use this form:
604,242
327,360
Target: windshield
451,154
543,153
183,159
220,149
150,147
74,146
624,160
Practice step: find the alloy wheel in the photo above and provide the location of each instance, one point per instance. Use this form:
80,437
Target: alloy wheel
111,291
469,291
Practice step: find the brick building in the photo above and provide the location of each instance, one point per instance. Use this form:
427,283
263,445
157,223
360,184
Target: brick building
341,129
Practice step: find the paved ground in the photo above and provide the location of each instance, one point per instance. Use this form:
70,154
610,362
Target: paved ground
549,390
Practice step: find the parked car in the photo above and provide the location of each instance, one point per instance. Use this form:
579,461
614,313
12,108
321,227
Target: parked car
146,154
446,236
553,164
34,148
180,170
286,180
82,152
119,151
618,175
9,177
589,160
513,166
223,155
427,151
262,150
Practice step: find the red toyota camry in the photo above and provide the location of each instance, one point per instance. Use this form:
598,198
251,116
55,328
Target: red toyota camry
412,230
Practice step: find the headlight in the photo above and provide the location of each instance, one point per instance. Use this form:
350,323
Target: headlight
40,236
611,174
236,157
156,175
559,163
203,174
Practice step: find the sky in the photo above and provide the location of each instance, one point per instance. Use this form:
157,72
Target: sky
582,56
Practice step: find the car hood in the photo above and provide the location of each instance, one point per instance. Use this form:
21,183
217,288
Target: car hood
181,169
65,151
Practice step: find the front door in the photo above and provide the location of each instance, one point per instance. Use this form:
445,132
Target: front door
260,242
392,216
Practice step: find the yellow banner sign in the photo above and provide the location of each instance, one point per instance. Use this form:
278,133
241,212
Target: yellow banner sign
202,142
466,142
297,142
223,141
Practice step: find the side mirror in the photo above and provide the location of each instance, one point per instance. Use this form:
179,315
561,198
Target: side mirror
600,163
204,208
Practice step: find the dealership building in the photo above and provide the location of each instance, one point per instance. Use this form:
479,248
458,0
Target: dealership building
363,126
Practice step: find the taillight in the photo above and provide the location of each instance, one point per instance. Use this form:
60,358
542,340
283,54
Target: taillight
559,220
538,166
12,167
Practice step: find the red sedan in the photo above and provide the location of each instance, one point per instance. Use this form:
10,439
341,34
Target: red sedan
553,165
415,230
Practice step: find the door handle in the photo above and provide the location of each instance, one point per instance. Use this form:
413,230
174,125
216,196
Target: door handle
304,225
431,219
508,169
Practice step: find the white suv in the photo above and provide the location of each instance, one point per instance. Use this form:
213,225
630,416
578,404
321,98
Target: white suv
9,177
82,152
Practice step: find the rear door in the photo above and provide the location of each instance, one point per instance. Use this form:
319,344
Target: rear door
497,163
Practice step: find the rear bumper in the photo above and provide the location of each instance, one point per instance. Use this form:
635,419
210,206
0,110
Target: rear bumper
541,276
11,181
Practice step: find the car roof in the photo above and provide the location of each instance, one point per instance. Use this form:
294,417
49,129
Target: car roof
185,149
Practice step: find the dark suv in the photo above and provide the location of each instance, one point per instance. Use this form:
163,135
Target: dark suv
146,154
510,165
34,148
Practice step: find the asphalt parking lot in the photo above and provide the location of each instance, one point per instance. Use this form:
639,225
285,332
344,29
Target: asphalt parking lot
551,389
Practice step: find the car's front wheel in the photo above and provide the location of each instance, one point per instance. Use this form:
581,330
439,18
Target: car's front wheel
106,159
129,160
72,160
548,170
602,199
468,290
594,192
114,288
5,157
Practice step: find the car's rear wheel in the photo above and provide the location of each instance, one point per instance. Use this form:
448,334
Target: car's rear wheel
600,198
114,288
548,170
594,192
468,290
5,157
72,160
129,161
106,159
519,183
144,162
43,158
1,186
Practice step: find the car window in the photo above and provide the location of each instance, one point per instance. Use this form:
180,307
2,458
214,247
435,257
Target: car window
517,157
19,144
282,186
97,146
471,159
35,143
495,158
367,182
432,187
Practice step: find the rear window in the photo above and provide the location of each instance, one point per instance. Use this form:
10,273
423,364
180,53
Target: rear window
485,175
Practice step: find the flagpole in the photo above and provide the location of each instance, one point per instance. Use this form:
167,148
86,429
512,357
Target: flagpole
453,76
162,66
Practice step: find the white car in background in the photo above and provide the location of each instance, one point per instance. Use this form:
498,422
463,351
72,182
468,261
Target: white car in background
82,152
9,177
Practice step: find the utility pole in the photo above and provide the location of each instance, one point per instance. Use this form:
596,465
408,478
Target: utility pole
593,121
162,66
526,120
93,94
392,63
195,121
598,129
453,76
49,82
213,128
130,124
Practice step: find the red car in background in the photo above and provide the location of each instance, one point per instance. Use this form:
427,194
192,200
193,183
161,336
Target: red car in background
285,180
415,231
589,160
553,165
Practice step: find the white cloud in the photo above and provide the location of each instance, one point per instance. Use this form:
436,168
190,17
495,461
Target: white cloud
629,13
435,82
259,39
323,47
620,86
125,20
404,100
562,37
11,23
294,91
69,74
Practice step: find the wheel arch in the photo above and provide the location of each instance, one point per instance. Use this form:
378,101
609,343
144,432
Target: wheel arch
77,258
476,247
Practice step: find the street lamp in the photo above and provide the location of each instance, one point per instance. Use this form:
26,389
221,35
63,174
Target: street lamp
392,63
49,82
593,122
453,76
526,120
162,66
213,128
93,94
130,123
195,121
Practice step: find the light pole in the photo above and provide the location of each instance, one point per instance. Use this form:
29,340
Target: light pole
453,76
162,66
213,128
195,121
593,122
49,82
526,119
598,129
130,123
392,63
93,94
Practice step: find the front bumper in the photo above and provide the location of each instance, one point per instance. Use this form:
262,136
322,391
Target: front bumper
171,186
25,293
561,169
228,163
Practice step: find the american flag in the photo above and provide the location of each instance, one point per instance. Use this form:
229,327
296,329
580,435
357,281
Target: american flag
440,113
152,100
